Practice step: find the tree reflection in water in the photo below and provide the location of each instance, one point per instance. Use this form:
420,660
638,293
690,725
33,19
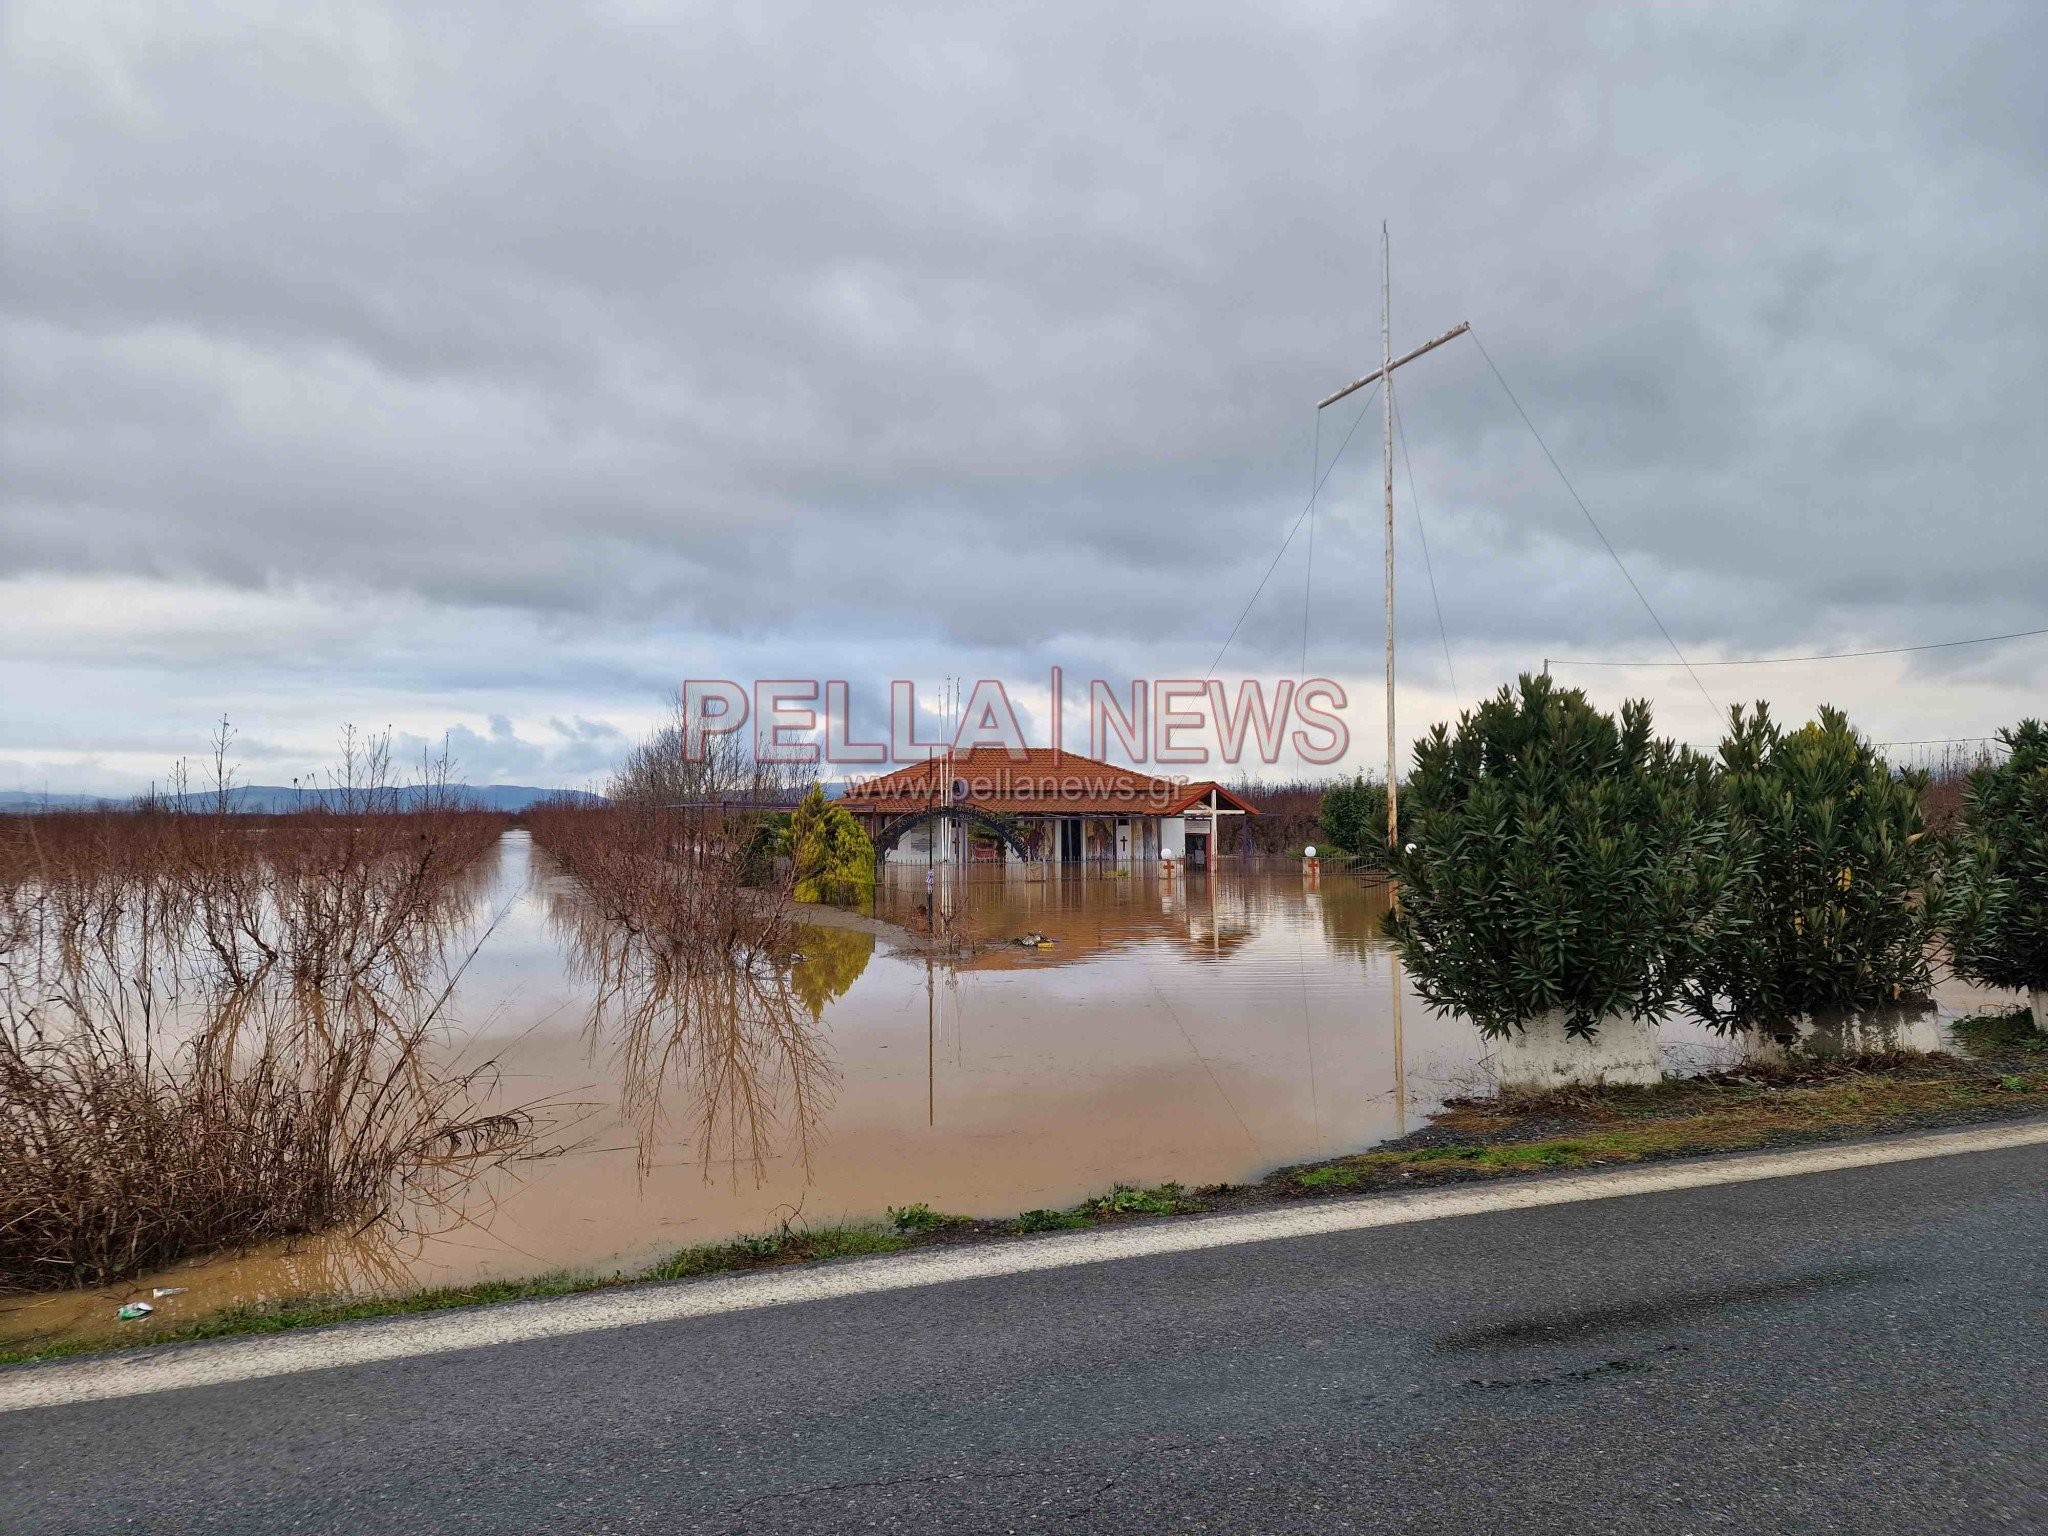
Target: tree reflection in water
722,1048
1354,914
830,962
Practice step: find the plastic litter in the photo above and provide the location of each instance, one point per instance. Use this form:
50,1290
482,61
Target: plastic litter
168,1290
134,1310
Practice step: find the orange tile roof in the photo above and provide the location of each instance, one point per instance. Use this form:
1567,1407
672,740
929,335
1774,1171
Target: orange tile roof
1037,782
1197,794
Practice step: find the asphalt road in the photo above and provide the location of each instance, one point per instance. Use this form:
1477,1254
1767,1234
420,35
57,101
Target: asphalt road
1861,1351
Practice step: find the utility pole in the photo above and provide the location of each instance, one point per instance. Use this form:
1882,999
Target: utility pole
1387,445
1385,371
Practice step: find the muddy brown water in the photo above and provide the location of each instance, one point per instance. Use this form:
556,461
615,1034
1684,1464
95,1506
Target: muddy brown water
1187,1027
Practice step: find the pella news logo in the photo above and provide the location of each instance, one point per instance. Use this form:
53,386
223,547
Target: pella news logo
1170,721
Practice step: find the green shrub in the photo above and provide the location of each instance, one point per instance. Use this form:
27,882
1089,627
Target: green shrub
1996,1034
1354,817
1836,868
921,1218
1049,1221
1994,904
833,860
768,842
1557,859
1130,1200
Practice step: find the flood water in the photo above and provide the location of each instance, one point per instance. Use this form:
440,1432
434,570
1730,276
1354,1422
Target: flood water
1190,1028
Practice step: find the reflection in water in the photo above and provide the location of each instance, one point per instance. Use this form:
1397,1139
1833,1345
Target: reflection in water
828,965
732,1041
1086,916
1353,913
379,1259
1185,1028
215,1033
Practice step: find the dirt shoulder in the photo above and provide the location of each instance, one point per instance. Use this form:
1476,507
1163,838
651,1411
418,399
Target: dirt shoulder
2002,1075
1802,1105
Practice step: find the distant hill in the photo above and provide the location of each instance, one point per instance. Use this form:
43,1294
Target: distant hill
23,800
274,799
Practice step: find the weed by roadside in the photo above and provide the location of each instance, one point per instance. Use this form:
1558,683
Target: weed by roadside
1990,1034
790,1245
1126,1200
921,1218
1048,1221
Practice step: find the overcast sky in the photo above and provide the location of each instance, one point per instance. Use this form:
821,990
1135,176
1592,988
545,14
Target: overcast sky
488,370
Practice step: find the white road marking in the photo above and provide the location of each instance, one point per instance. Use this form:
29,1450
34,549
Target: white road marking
210,1364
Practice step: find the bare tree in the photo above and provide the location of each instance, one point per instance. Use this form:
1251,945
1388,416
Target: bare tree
670,769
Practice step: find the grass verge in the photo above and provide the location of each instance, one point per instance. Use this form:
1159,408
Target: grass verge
791,1245
2003,1075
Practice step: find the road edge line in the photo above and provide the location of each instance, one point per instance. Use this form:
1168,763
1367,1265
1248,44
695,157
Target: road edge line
213,1363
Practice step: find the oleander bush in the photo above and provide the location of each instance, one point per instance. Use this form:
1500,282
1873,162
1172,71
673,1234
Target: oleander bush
1559,859
1836,870
1994,903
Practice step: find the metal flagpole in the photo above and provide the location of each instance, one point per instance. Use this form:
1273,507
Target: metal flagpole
1385,371
1387,433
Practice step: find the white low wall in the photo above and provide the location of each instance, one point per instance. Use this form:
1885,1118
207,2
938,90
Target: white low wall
1915,1028
1542,1055
916,847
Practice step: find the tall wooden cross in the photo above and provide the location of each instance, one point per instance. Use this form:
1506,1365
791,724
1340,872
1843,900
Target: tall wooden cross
1388,363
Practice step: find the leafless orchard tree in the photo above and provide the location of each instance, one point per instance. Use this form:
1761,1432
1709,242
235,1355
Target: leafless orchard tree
219,1028
669,769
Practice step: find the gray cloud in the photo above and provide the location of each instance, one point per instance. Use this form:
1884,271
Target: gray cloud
569,350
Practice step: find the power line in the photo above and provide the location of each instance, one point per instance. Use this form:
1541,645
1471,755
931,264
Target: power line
1938,741
1594,525
1772,661
1428,565
1284,543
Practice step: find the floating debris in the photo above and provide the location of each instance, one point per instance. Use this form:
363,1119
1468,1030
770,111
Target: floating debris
134,1310
168,1290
